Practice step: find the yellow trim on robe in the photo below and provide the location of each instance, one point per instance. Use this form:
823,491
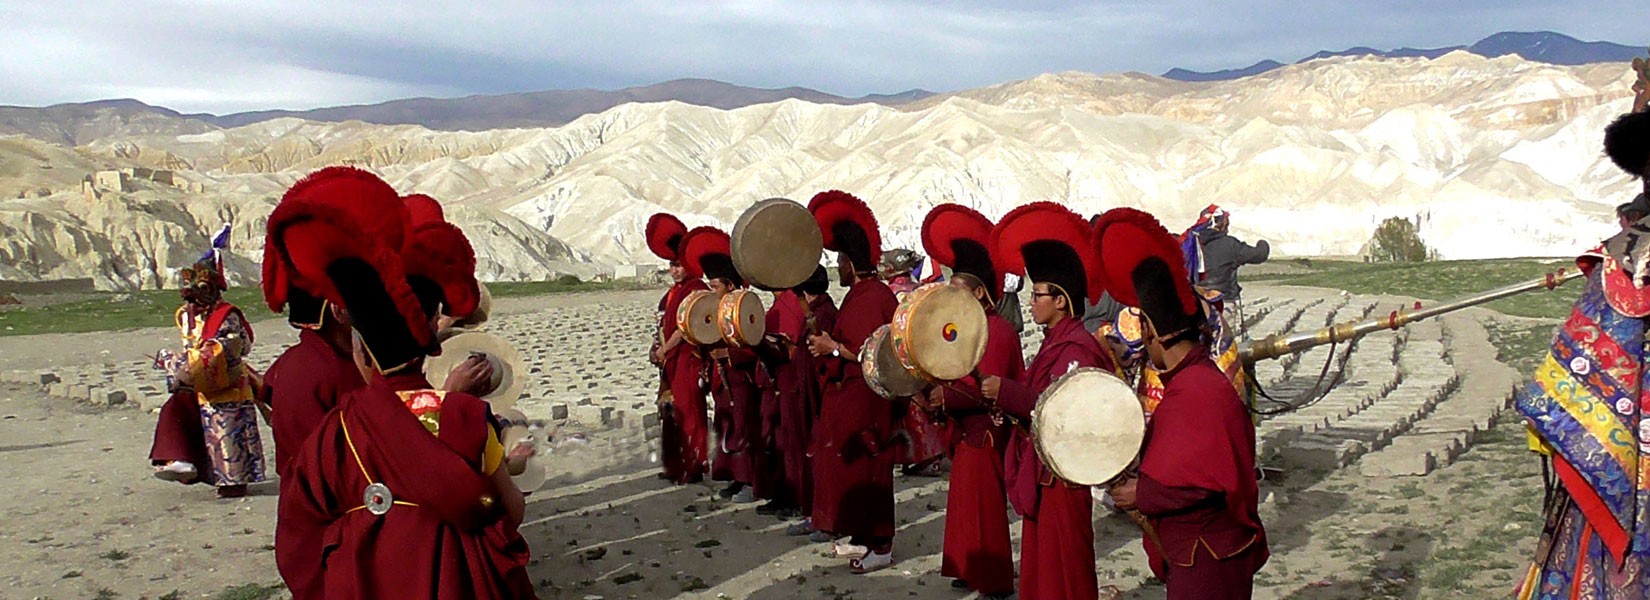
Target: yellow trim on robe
1581,405
493,454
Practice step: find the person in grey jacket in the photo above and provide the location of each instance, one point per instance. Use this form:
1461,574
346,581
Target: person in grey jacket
1223,254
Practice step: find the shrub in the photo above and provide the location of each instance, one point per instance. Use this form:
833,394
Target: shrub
1398,240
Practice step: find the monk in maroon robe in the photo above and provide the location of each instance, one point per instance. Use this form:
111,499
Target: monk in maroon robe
799,432
977,549
683,430
855,448
307,380
400,492
785,381
1052,246
1197,471
731,371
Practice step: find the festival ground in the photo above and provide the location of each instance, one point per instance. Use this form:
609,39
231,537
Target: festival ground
1396,484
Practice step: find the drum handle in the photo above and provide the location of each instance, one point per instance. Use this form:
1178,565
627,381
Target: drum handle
1146,526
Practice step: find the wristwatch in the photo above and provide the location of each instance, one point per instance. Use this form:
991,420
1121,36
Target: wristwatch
837,351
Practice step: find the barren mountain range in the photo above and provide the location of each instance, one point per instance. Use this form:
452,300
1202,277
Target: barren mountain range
1495,157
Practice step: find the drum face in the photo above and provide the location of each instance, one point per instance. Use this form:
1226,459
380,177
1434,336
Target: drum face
742,319
1088,427
939,332
697,318
883,371
776,244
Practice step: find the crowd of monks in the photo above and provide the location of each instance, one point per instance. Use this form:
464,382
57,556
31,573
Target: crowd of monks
393,488
793,423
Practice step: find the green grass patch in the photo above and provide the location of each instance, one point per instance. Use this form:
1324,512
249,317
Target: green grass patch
1439,281
505,289
109,311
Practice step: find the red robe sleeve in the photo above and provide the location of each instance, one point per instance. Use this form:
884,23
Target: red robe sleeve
1157,500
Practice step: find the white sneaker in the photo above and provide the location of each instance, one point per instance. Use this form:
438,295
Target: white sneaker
871,562
177,470
844,549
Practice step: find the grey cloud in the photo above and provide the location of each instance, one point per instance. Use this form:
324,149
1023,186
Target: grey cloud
224,56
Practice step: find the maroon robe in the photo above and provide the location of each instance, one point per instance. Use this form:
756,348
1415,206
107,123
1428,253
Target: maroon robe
302,386
683,433
788,390
738,412
179,433
1197,485
1057,534
799,460
451,544
977,547
853,459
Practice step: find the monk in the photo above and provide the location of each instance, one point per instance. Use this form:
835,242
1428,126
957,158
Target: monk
403,481
307,379
787,388
977,550
799,440
855,448
731,371
1051,245
922,457
682,437
1196,484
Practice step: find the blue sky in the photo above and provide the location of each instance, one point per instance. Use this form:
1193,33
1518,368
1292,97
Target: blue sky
223,56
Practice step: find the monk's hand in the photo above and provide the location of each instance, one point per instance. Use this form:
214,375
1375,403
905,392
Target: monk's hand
473,376
1123,494
936,399
991,387
821,345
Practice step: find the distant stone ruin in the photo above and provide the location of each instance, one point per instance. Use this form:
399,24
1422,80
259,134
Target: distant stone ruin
120,180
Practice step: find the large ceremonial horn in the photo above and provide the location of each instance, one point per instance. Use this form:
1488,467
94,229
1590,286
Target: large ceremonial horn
509,372
1274,346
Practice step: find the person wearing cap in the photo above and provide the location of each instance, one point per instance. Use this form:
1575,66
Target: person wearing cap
1222,254
798,434
1196,483
977,552
855,446
208,429
923,456
399,474
731,372
1052,246
1629,213
1583,417
683,431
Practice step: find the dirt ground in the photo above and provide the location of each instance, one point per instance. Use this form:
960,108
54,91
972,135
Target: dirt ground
84,519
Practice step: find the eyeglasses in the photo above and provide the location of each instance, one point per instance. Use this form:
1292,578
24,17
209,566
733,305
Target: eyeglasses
1044,295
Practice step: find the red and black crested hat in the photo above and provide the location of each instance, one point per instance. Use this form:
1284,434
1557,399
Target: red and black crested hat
1627,143
664,236
337,235
440,263
959,237
848,226
353,194
708,252
1052,245
1142,266
423,209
